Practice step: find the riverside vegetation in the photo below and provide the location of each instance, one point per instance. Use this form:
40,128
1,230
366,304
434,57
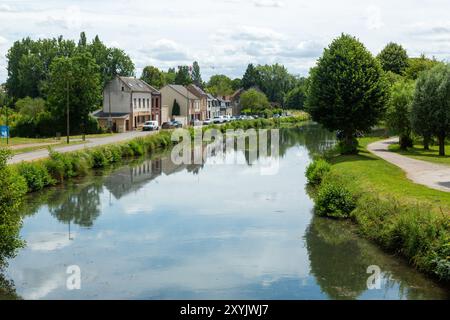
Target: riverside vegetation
344,187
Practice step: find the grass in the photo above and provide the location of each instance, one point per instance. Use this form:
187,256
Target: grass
14,141
417,152
54,146
375,175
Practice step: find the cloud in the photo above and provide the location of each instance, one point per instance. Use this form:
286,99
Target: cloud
305,49
166,50
6,8
374,20
3,41
268,3
70,19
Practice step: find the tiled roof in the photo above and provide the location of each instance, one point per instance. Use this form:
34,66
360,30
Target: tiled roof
102,114
183,91
138,85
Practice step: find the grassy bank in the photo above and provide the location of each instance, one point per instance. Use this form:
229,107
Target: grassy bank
402,217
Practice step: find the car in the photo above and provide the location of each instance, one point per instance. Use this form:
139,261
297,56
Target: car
172,124
250,118
207,121
150,125
219,119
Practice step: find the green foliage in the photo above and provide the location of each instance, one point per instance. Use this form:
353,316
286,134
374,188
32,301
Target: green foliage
36,175
30,108
399,111
196,75
296,98
220,85
254,100
430,114
347,90
334,199
176,108
393,58
251,77
236,84
316,170
13,188
153,76
275,82
182,76
417,65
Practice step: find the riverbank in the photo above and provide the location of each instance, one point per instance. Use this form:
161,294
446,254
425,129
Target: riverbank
402,217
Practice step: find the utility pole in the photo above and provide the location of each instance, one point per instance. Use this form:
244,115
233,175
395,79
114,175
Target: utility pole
7,125
67,111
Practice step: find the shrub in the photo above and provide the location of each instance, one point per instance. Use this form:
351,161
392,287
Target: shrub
335,200
36,175
316,170
99,158
136,147
60,165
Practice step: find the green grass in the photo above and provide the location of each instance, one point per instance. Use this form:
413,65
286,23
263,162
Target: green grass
373,174
53,146
417,152
19,140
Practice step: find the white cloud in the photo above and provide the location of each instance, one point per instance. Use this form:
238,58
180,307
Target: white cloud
5,8
373,18
268,3
167,50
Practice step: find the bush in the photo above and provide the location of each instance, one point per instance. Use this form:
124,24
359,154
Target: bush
316,171
99,158
137,147
60,165
36,175
334,200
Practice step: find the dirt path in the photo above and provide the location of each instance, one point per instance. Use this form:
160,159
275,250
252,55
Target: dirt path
432,175
32,145
92,142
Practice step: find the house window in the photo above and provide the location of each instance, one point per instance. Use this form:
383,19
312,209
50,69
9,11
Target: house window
123,88
148,103
135,105
139,103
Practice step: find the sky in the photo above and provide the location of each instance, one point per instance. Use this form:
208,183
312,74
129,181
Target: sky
225,35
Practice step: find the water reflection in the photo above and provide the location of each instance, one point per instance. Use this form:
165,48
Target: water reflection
155,230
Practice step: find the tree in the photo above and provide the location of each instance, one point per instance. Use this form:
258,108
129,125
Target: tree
418,65
254,100
347,91
119,64
295,99
236,84
399,111
431,105
393,58
169,76
196,75
183,76
275,81
79,78
176,108
251,77
219,85
153,76
29,107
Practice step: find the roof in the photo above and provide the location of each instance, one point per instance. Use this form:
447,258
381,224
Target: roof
183,91
138,85
237,93
102,114
197,91
211,97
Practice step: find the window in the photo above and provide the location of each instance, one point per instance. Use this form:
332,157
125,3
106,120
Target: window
135,105
139,103
123,88
148,103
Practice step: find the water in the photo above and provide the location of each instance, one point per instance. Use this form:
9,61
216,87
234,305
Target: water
155,230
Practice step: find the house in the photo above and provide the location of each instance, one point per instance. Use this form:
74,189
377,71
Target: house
225,107
189,103
203,96
213,107
235,101
127,103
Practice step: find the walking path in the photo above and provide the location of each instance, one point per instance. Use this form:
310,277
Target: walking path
432,175
92,142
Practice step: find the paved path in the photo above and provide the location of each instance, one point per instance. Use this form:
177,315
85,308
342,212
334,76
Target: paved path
92,142
429,174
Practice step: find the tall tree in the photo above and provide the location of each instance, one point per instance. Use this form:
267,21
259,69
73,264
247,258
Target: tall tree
399,111
119,63
236,84
251,77
254,100
431,105
347,91
219,85
153,76
169,76
393,58
183,76
77,79
296,98
196,75
418,65
275,82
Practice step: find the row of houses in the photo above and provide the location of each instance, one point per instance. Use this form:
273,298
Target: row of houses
129,102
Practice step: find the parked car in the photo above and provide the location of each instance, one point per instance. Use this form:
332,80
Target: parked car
207,121
219,119
150,126
172,124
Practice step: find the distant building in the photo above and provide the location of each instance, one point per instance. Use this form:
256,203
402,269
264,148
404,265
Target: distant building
190,104
213,107
128,103
203,96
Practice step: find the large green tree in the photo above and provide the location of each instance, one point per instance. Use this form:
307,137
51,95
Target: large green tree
183,76
296,98
393,58
431,105
254,100
220,85
153,76
251,77
275,82
418,65
347,90
399,111
77,79
196,75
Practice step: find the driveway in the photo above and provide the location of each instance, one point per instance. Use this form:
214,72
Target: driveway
92,142
432,175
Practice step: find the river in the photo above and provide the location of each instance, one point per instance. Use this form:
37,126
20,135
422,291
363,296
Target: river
150,229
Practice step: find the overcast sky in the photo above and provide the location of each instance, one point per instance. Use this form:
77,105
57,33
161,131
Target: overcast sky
226,35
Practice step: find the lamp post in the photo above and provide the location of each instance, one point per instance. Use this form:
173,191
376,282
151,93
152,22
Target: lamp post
67,113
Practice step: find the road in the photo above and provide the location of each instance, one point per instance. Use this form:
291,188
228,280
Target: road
92,142
429,174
